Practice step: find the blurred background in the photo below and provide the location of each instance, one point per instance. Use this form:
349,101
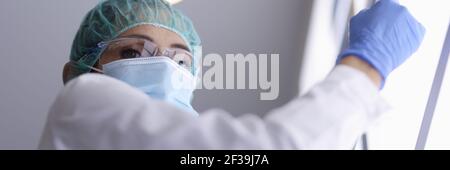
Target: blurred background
307,34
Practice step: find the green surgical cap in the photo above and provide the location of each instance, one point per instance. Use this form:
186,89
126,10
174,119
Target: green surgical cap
110,18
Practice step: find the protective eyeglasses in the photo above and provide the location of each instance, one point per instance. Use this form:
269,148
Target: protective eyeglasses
127,48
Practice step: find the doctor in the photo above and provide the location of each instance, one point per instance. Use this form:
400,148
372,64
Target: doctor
138,45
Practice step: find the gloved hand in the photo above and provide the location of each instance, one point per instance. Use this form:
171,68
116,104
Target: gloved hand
384,36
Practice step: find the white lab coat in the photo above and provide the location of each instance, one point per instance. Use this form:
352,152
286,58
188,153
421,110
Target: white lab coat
98,112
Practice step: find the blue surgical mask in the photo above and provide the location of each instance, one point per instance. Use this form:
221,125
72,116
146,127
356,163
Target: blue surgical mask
159,77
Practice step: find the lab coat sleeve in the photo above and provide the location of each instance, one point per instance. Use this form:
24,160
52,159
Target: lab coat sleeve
97,112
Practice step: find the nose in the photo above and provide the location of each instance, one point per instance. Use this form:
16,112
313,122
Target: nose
157,52
160,52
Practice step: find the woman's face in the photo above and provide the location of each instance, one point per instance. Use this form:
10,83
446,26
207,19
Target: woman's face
160,37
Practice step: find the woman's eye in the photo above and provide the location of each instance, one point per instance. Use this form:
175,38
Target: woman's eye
181,62
184,63
182,59
130,53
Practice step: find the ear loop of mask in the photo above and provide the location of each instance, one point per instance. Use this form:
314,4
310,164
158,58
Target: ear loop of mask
76,63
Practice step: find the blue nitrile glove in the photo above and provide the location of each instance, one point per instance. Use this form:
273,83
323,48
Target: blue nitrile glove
384,36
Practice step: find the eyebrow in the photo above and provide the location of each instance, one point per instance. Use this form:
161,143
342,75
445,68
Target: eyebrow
181,46
176,45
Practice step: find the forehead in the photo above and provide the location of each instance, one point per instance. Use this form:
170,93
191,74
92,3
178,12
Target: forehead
159,35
